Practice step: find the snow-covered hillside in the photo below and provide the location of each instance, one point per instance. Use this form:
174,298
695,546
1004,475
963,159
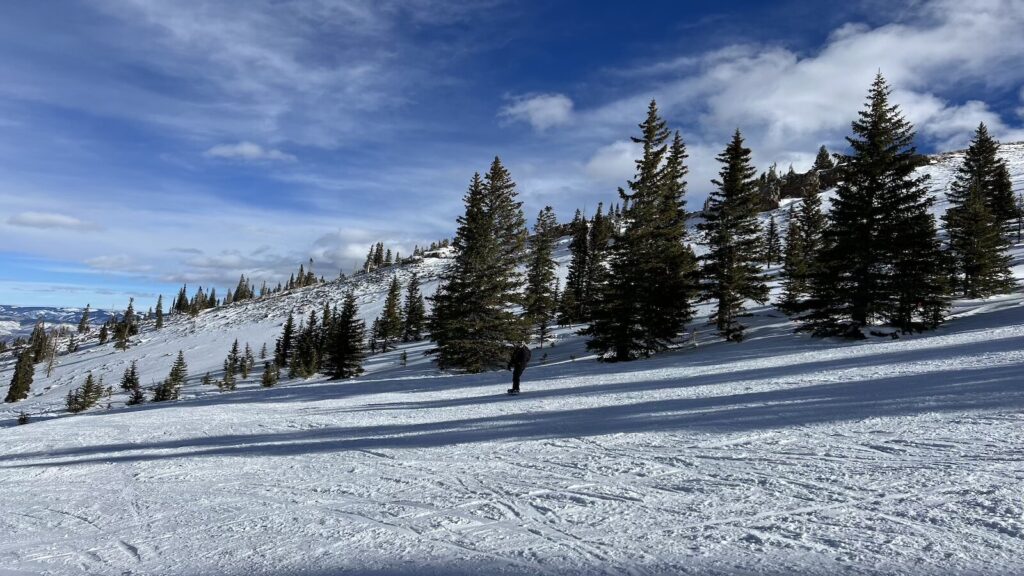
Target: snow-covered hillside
781,455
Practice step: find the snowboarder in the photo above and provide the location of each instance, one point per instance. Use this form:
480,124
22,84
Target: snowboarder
517,363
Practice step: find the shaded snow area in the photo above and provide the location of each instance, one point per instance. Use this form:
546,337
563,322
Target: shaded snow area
780,455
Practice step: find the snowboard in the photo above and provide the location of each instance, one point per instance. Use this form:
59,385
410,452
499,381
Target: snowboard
512,392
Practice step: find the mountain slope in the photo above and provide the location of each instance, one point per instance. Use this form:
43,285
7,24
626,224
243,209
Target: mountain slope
783,454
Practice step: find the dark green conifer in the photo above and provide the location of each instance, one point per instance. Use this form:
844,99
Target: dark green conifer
880,260
772,244
83,323
472,321
731,273
348,341
539,301
21,381
389,324
574,297
646,299
414,312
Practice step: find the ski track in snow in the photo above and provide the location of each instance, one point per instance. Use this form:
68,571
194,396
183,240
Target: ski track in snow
780,455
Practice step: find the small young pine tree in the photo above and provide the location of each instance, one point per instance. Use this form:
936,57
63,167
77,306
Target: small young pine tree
271,374
86,396
284,344
83,323
130,379
21,381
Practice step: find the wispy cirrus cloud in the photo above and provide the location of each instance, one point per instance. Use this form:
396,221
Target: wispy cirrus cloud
52,221
248,151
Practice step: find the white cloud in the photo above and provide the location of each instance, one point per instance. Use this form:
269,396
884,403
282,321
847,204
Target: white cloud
51,220
248,151
541,111
614,163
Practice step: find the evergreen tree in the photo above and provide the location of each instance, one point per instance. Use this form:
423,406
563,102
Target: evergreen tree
248,361
104,334
284,344
824,168
539,304
85,396
646,299
598,238
732,234
981,266
136,396
347,341
978,249
83,323
389,324
170,388
21,381
160,312
263,351
181,304
880,259
472,322
574,297
984,172
130,379
414,312
772,243
795,267
271,374
232,364
305,361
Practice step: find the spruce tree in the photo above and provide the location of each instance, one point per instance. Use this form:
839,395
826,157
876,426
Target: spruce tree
271,374
646,299
104,334
83,323
170,388
794,266
978,249
731,273
389,325
472,322
232,364
414,311
880,259
160,312
130,379
347,341
772,244
539,299
977,245
824,167
284,344
21,381
574,297
85,396
598,238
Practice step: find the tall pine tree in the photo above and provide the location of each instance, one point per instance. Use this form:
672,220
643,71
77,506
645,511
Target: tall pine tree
389,325
472,321
539,304
732,272
645,300
880,259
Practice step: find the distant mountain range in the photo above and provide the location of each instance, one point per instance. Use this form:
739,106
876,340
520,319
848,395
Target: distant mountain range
18,320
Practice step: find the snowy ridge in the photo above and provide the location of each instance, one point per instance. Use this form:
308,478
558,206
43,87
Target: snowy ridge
783,454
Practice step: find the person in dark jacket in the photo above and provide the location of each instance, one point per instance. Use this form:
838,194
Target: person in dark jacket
517,364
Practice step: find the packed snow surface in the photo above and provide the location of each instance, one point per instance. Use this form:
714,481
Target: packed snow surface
783,454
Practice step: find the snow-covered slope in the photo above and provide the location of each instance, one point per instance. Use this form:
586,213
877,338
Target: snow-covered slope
783,454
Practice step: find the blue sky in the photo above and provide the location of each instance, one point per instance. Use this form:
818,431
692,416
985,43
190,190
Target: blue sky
146,143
